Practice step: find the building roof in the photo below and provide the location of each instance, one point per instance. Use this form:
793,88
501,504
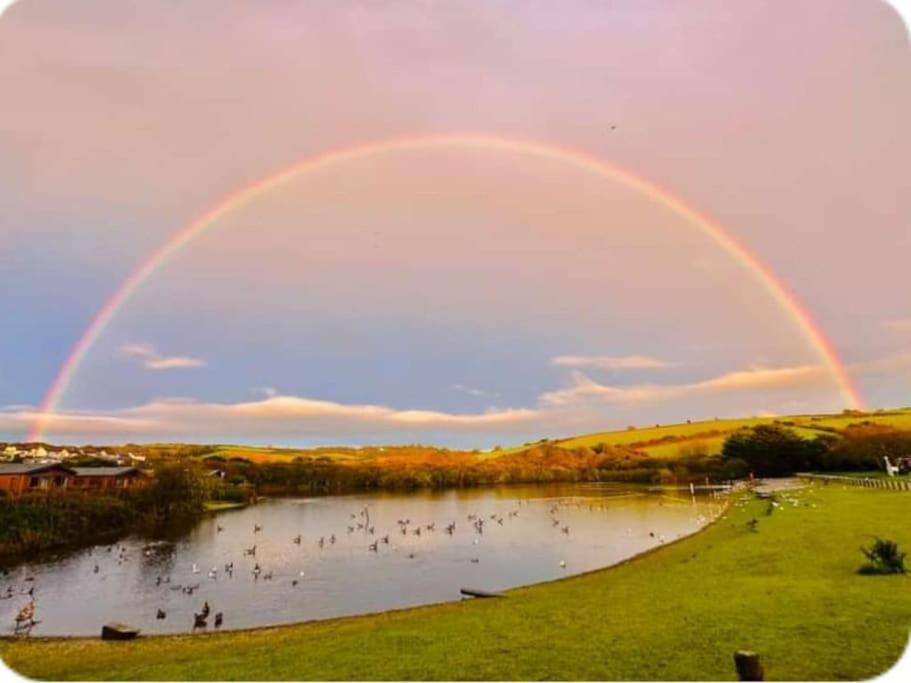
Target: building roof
30,467
104,471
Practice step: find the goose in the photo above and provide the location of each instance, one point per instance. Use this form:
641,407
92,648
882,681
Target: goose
373,546
160,614
218,619
195,568
199,621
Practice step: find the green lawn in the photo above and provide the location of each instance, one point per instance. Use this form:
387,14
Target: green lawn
789,591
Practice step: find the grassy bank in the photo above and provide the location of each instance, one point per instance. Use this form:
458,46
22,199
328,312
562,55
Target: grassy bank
789,590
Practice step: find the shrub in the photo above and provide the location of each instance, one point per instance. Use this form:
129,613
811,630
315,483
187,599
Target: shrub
884,557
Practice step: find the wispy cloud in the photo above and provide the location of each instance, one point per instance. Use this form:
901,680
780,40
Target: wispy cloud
151,359
613,362
903,325
473,391
583,387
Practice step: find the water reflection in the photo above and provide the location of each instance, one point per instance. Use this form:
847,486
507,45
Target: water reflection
288,560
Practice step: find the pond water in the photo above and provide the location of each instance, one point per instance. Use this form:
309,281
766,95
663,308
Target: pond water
529,534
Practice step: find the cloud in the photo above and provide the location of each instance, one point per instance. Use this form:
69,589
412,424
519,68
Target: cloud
473,391
577,407
271,416
613,362
153,360
584,388
902,325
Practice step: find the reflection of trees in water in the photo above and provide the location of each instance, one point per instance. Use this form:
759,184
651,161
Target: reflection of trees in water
159,545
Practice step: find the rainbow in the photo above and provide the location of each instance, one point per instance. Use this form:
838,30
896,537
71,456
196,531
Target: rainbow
580,161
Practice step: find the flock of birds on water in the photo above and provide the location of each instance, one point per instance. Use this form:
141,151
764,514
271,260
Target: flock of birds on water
360,521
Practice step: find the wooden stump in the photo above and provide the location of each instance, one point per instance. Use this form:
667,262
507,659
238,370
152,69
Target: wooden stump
748,666
118,631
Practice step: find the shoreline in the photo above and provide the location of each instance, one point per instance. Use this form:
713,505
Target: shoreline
770,589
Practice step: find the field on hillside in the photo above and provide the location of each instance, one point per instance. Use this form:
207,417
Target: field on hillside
788,590
666,441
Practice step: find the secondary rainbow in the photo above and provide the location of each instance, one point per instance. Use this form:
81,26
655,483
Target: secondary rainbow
529,148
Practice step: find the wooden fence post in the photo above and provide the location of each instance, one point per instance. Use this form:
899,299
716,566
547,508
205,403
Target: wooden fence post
748,666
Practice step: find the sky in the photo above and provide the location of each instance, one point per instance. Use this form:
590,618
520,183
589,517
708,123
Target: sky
465,295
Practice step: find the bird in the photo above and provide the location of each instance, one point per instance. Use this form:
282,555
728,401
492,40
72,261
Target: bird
257,528
563,564
195,568
26,614
218,619
475,559
219,528
373,546
565,530
199,621
297,539
160,614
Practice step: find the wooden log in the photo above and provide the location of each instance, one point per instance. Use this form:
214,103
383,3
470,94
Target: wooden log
474,593
748,666
118,631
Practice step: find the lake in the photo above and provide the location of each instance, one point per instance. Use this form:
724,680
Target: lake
317,558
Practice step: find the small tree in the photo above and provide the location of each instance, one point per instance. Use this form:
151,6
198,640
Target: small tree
772,450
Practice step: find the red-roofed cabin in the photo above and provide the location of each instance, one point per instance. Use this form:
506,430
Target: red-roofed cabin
17,478
105,478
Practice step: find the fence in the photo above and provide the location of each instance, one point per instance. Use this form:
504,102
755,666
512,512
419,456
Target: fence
865,482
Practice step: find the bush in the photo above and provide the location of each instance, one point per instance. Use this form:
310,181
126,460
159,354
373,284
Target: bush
884,557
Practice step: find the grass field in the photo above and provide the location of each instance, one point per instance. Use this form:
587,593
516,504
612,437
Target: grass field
790,591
